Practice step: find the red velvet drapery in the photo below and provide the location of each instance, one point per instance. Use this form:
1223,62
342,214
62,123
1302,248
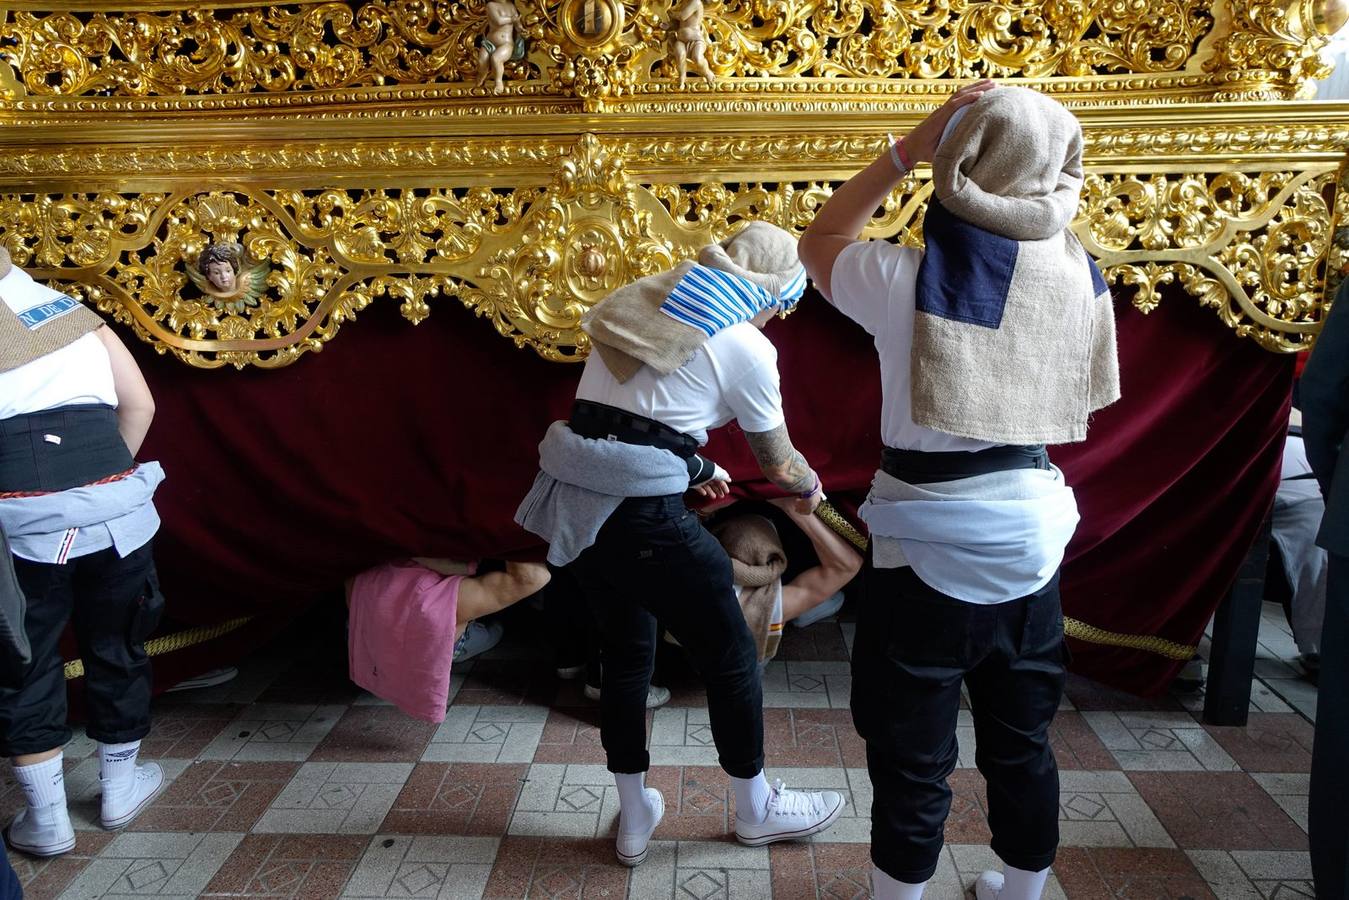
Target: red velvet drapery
399,441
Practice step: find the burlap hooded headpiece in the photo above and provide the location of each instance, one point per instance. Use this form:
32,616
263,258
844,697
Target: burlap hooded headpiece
1014,336
36,320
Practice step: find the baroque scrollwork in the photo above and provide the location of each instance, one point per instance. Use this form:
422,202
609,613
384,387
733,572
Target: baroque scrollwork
599,50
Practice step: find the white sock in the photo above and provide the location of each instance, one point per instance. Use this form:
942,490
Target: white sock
751,798
117,765
44,784
883,887
634,812
1018,884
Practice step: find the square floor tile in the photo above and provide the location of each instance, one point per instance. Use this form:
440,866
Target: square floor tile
280,732
822,641
1259,875
571,735
44,879
1269,742
1120,872
494,682
487,734
565,801
812,738
336,798
1218,811
564,867
1103,809
216,796
374,734
1289,791
401,866
1076,745
682,736
456,798
169,864
299,867
1159,742
182,730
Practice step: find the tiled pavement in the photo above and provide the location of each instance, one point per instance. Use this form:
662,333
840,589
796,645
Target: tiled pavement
288,782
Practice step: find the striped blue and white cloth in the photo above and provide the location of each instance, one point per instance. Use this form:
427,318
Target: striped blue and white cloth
712,300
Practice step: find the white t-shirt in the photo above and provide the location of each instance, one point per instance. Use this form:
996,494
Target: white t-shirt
734,375
78,373
874,284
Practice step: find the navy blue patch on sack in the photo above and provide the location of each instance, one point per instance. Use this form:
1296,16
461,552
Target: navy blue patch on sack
37,316
1098,285
966,271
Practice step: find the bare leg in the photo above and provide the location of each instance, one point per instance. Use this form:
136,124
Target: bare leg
32,759
700,60
499,58
482,66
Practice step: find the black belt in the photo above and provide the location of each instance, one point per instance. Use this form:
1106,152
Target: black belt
62,448
918,467
596,420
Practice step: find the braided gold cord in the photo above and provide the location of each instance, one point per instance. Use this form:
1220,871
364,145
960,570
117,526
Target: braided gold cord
171,642
1074,628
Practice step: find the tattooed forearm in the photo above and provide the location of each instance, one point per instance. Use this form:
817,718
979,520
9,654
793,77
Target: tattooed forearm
781,463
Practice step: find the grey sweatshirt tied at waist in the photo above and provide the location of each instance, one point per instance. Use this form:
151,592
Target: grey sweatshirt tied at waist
581,482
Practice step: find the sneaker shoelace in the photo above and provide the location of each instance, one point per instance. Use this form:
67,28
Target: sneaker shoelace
797,804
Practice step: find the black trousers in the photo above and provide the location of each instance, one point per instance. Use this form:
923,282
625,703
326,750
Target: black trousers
1328,826
654,560
114,603
915,645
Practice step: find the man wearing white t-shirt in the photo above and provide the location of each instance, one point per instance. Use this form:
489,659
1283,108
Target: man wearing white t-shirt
616,471
995,340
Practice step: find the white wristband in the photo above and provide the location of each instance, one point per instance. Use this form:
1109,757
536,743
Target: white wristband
894,155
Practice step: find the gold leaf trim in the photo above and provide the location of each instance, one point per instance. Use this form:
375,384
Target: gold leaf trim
172,642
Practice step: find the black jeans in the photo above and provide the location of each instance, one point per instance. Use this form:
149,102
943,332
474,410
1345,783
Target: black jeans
914,647
654,560
1328,826
115,604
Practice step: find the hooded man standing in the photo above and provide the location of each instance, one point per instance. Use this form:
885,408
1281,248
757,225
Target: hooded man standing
677,354
995,340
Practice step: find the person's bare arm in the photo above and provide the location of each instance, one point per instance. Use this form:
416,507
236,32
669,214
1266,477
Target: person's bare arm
135,405
783,464
482,595
443,566
839,564
841,220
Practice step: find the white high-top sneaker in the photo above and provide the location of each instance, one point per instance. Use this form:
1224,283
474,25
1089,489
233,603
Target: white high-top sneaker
632,848
125,798
42,832
791,815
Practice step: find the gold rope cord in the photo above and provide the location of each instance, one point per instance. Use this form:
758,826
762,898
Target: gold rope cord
171,642
1074,628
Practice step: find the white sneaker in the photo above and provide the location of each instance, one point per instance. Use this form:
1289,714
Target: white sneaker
989,886
632,848
791,815
656,696
45,833
121,806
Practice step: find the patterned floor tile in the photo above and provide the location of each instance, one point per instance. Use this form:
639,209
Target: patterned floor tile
812,738
1103,809
494,682
182,730
807,684
336,798
682,736
1258,875
487,734
456,798
401,866
374,734
699,802
822,642
1159,742
274,732
1218,811
1289,791
721,871
1091,872
571,801
571,735
1269,743
45,879
538,867
216,796
1076,745
163,865
296,867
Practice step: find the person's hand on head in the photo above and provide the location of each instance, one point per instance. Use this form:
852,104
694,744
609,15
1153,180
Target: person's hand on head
921,143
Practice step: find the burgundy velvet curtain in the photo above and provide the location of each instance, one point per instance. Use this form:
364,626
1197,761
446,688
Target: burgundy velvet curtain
399,440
